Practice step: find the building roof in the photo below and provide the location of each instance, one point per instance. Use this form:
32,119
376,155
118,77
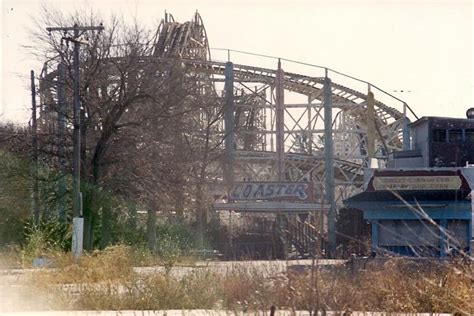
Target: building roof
372,194
429,118
414,195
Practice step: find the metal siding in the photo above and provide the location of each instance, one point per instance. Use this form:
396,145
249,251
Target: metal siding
400,214
458,230
408,233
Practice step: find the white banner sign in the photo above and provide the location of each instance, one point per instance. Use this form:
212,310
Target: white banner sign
417,183
271,191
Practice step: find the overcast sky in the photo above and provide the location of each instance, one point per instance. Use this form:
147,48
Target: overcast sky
424,48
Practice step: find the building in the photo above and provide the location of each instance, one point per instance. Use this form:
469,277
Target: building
438,142
421,204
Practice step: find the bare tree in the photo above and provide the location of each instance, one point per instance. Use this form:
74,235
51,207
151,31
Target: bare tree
148,125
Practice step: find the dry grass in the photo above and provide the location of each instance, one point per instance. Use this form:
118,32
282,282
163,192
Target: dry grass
10,259
405,286
113,264
151,293
106,280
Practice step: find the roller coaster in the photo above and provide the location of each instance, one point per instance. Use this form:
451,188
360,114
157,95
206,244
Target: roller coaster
276,122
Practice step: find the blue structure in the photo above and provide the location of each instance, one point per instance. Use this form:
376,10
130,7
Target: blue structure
407,220
422,204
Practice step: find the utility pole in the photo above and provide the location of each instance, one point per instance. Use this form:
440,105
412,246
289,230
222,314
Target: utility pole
34,127
78,219
61,141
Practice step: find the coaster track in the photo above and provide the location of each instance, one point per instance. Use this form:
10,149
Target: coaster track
255,113
254,93
188,42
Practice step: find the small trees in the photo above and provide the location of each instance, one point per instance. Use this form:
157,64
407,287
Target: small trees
147,125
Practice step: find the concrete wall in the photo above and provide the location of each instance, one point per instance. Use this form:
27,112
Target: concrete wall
412,162
421,141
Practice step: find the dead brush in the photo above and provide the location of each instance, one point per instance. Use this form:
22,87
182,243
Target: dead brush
199,290
156,292
10,258
403,286
105,280
111,264
242,291
251,286
397,286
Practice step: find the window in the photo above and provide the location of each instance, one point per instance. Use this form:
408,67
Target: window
469,135
455,135
439,135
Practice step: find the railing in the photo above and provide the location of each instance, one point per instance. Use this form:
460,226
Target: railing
327,72
304,236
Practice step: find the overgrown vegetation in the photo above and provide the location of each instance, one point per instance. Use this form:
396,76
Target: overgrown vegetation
21,240
149,142
148,138
15,201
105,280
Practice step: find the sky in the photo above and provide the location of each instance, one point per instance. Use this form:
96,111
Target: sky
423,48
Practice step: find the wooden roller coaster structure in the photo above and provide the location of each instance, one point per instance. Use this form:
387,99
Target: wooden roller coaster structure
271,135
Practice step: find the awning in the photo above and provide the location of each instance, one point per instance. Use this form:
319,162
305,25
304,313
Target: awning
270,207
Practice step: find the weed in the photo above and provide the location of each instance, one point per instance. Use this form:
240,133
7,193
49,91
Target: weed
106,280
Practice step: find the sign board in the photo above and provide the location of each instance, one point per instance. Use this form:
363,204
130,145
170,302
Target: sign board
287,191
417,183
271,207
